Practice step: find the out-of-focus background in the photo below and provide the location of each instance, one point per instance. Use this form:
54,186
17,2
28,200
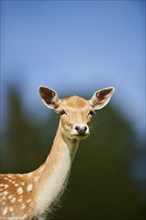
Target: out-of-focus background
78,47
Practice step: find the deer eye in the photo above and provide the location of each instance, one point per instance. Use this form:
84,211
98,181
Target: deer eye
62,112
91,113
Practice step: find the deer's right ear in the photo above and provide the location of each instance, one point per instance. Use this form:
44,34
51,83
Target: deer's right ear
49,97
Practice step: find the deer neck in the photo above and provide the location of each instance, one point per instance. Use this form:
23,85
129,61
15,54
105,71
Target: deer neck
52,176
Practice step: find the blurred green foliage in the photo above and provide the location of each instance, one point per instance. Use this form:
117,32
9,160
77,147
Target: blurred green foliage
100,185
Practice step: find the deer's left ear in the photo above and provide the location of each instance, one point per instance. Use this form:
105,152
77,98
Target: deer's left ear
49,97
101,97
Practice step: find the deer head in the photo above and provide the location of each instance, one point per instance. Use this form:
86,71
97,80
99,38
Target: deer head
75,112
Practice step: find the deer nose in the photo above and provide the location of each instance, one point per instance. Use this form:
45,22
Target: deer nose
81,129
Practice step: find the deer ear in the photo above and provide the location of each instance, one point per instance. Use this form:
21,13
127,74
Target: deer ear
101,97
49,97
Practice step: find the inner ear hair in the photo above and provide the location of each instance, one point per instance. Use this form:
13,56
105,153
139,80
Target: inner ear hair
103,93
46,93
49,97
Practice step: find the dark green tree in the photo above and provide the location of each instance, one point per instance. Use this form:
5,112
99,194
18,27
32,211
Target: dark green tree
24,142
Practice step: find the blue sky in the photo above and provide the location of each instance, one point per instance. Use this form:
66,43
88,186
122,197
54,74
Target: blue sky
77,46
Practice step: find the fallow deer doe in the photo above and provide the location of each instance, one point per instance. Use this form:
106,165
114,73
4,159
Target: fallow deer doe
32,195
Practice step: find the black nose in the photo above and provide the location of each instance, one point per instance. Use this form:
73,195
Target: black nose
81,130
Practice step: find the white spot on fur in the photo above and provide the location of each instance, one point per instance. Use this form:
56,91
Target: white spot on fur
30,174
23,206
29,200
11,181
13,200
6,186
36,178
29,187
10,196
22,183
5,193
10,176
20,190
20,175
11,209
4,212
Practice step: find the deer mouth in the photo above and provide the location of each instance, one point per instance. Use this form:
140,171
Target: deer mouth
80,136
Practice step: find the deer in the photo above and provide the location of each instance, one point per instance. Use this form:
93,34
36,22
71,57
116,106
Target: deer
33,195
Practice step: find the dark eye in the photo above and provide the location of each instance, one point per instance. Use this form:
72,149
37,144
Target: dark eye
91,112
62,112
